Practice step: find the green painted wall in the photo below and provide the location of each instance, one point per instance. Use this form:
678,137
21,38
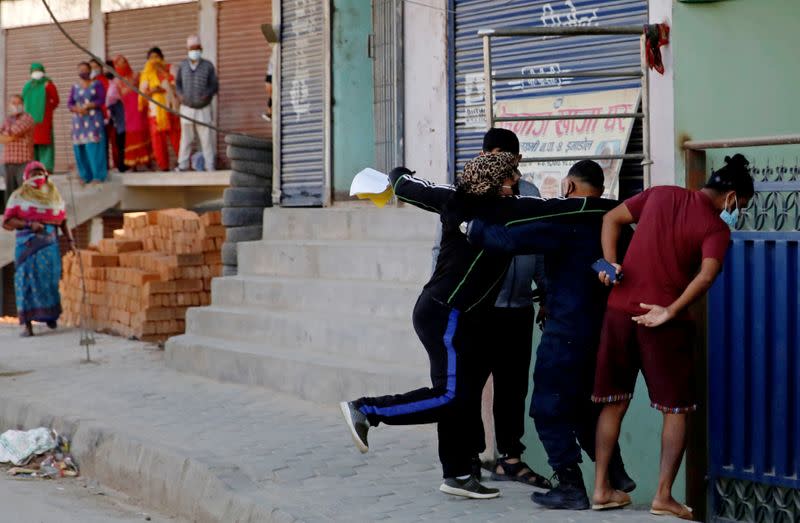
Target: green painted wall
736,72
640,442
353,127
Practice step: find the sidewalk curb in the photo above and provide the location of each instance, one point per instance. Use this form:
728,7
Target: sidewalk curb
161,479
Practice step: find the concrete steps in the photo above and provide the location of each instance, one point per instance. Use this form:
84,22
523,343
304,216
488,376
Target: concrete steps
305,374
321,307
341,334
393,261
379,299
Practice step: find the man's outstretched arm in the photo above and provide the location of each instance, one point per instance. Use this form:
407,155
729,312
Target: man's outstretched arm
420,193
530,238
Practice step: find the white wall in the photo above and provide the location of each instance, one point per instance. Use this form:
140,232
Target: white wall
662,106
426,113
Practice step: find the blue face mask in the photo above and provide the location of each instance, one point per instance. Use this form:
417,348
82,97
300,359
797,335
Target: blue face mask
730,218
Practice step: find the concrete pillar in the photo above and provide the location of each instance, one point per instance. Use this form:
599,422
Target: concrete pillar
2,72
426,112
662,107
207,31
96,230
97,29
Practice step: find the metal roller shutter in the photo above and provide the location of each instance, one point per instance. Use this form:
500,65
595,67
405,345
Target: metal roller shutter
131,33
47,45
539,55
304,88
242,58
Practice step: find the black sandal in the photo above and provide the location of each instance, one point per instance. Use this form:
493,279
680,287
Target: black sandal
514,472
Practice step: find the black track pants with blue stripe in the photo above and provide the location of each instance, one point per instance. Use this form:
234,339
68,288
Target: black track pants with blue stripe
456,392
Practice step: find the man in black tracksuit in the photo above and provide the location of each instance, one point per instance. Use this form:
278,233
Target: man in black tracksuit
561,407
511,345
465,282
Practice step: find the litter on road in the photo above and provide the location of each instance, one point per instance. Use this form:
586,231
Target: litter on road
37,453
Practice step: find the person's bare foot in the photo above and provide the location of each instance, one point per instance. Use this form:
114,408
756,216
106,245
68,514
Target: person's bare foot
603,499
670,507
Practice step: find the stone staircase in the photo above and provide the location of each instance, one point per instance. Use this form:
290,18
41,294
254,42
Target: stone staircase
321,307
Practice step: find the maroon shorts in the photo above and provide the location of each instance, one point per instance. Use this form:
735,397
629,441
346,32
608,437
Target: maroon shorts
664,354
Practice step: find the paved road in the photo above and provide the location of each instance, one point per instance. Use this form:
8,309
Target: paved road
67,501
292,454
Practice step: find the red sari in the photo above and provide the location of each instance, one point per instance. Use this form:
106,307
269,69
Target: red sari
137,133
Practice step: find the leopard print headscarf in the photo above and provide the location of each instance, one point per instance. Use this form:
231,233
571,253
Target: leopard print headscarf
485,174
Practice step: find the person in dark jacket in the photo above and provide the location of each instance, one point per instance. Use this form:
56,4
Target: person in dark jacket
513,344
561,408
465,282
197,84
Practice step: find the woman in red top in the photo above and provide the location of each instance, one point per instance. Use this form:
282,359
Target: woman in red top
137,134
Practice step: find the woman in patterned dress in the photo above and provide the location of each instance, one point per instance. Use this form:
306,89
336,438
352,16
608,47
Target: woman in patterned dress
36,212
89,140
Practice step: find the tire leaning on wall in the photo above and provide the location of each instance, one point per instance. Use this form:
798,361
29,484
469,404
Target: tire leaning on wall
249,193
247,197
249,155
248,142
250,180
240,216
247,233
229,253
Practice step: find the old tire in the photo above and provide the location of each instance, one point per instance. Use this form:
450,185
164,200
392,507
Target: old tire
248,233
248,142
249,155
250,180
262,169
229,270
240,216
247,197
229,253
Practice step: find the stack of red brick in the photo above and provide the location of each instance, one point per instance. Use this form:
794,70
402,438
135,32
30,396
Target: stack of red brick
141,282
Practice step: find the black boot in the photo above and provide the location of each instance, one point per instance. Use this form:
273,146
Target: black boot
570,494
617,476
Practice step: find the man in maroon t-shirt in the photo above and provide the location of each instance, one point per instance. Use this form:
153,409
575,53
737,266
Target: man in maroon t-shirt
676,253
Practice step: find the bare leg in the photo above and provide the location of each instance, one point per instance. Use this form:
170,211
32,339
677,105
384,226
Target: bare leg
673,444
608,427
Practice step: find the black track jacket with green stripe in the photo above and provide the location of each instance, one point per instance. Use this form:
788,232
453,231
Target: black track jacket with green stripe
467,278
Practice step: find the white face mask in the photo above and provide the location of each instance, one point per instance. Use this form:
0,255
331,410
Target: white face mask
14,110
37,75
194,55
94,74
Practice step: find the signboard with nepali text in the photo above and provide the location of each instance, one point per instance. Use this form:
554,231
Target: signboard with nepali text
552,138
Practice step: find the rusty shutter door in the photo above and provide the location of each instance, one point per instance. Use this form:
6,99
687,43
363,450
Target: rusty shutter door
131,33
45,44
242,58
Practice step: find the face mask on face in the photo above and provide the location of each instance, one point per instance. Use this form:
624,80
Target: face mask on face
85,76
94,74
37,75
14,110
194,55
730,218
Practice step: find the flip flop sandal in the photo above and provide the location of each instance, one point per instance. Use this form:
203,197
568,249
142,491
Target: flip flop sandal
686,514
511,472
610,505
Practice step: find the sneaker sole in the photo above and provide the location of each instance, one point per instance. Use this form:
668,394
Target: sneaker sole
345,408
453,491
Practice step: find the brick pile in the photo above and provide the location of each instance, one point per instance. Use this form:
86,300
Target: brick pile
140,282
